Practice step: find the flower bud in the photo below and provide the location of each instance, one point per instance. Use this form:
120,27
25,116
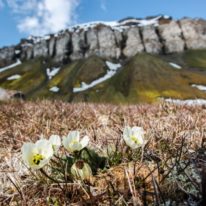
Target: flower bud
81,170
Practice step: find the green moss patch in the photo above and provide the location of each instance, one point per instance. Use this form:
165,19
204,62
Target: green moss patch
32,77
195,58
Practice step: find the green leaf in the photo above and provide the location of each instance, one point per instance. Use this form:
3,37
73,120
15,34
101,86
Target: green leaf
93,159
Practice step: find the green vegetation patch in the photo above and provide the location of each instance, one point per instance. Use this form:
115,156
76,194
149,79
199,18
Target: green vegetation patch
32,77
195,58
70,76
145,78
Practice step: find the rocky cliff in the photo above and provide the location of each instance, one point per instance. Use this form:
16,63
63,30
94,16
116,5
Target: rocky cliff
112,40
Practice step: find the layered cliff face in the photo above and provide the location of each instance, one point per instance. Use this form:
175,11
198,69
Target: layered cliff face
113,40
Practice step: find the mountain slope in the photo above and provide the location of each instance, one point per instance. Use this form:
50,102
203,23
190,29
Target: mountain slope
71,75
145,78
142,78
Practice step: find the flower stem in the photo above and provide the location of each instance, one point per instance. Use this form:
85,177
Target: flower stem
46,175
52,179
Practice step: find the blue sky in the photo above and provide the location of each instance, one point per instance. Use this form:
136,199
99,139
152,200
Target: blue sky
20,18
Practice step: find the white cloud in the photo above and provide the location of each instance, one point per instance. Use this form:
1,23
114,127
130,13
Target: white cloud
103,5
39,17
21,6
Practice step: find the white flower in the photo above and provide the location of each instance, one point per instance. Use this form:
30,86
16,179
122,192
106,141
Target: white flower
134,137
72,142
81,170
37,155
55,140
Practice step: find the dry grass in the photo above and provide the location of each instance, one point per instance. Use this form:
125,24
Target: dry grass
176,146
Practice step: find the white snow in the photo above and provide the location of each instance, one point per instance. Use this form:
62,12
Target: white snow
46,37
190,102
85,26
52,72
117,25
14,77
111,72
54,89
37,39
17,51
18,62
26,45
176,66
142,22
166,16
200,87
149,22
113,66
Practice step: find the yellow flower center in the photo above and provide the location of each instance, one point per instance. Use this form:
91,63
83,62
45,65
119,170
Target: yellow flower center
135,139
37,159
74,142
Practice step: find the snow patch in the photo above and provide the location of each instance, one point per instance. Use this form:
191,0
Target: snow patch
110,73
54,89
37,39
166,17
190,102
86,26
17,51
112,66
200,87
117,25
176,66
14,77
18,62
142,22
26,45
52,72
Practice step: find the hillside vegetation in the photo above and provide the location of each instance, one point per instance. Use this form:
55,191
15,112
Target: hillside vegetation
143,78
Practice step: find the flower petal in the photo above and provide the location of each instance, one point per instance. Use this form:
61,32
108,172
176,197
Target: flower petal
74,135
72,141
75,147
65,142
27,150
127,132
55,140
131,143
138,130
84,142
44,147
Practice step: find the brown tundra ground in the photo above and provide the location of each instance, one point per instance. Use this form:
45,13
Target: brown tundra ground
171,168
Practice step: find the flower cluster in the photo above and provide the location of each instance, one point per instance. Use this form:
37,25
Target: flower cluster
37,155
